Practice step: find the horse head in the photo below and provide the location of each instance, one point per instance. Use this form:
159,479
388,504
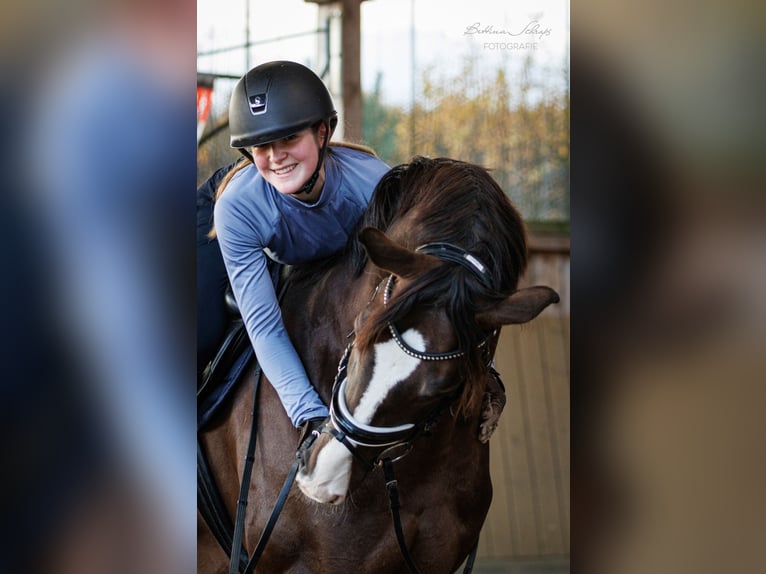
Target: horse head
411,360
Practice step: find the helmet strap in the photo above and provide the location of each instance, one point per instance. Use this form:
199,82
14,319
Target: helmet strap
309,185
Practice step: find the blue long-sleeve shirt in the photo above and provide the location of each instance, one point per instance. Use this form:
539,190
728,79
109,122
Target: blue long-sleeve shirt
254,221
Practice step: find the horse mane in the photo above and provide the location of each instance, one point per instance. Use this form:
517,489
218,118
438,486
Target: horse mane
449,200
443,199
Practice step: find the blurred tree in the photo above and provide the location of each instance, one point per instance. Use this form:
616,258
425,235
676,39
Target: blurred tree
380,126
518,127
214,152
519,130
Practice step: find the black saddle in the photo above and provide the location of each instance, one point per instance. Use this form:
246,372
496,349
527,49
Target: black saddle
221,376
223,373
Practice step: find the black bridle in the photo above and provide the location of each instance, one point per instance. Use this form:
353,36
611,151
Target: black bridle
394,441
354,434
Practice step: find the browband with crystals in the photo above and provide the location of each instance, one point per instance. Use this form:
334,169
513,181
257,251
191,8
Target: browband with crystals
412,352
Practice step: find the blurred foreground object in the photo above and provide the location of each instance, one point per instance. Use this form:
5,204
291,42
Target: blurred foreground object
101,410
669,270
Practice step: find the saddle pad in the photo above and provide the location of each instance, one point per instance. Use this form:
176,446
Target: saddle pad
208,406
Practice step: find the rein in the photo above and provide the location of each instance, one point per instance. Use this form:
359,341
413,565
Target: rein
354,434
211,506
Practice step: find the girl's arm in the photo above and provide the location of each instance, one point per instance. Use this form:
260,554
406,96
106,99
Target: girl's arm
246,265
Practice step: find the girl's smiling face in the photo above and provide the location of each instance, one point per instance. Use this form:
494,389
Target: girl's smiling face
288,163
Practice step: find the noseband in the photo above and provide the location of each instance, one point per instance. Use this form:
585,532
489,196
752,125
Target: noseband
396,441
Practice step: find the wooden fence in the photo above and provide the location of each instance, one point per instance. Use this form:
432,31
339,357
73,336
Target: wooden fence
530,464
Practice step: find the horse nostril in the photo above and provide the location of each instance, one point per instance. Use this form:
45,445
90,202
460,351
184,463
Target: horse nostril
335,499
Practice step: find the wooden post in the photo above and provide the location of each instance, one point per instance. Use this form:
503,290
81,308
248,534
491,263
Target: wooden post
351,77
351,69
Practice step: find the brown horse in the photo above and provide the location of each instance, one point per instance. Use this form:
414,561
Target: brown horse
425,324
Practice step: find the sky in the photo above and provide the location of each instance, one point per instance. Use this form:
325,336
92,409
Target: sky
497,33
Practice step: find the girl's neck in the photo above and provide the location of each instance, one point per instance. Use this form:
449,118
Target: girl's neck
316,191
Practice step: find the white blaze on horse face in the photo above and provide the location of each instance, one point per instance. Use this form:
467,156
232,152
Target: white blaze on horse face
392,366
332,472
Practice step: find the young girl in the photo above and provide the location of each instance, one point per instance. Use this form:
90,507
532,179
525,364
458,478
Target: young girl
292,199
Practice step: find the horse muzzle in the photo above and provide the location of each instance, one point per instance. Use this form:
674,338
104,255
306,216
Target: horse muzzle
326,476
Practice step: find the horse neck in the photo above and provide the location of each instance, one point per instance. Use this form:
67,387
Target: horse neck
319,314
342,292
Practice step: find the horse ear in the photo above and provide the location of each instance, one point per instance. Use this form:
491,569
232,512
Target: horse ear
392,257
522,306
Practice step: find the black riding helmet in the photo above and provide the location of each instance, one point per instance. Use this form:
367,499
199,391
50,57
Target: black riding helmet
276,100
